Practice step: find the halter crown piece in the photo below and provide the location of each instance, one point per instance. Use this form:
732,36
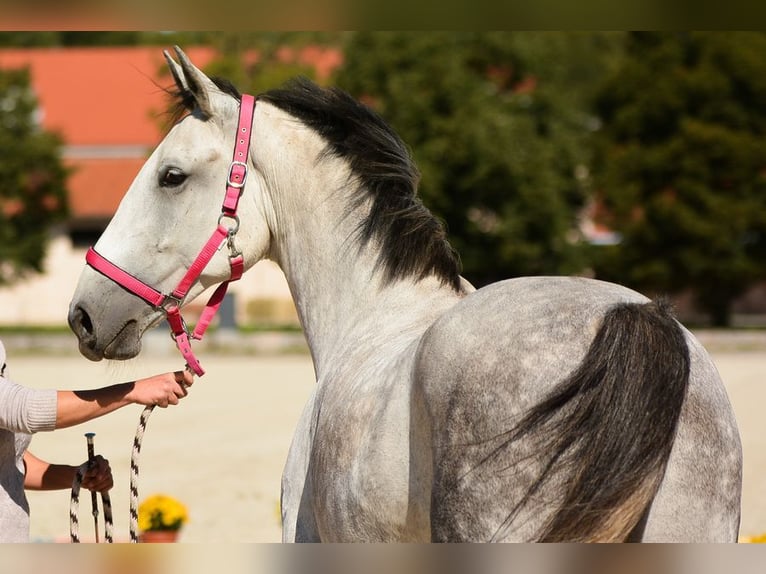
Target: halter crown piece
171,304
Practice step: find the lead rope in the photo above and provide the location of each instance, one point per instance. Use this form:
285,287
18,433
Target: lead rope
74,522
74,504
137,440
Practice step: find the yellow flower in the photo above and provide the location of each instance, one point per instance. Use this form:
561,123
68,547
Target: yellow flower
161,512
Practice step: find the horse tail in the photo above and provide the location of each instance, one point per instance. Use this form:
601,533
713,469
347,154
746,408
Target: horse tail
610,426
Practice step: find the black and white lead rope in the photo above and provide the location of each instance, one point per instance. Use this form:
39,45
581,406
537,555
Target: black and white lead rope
74,504
74,523
137,440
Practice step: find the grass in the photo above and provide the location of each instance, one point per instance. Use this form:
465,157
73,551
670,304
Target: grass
34,330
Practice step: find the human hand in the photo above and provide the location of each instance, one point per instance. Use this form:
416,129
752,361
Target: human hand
98,477
162,390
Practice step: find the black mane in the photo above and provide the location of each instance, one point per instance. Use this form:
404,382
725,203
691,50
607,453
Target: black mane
414,242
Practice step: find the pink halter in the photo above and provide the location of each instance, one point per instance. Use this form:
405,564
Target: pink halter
171,304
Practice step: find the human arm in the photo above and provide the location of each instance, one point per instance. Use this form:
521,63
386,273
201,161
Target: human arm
43,475
75,407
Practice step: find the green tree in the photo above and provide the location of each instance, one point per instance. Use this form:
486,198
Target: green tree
32,180
497,123
681,165
254,61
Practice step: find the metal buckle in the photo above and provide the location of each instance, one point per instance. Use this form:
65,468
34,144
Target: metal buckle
168,300
244,175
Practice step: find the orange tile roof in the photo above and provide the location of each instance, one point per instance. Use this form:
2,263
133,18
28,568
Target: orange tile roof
100,96
112,97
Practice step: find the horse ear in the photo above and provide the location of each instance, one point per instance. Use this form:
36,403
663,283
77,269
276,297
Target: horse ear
192,79
175,70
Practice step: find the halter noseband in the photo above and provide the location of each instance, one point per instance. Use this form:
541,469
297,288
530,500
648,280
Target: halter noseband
171,304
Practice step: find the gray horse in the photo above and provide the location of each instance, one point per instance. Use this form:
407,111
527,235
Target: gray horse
533,409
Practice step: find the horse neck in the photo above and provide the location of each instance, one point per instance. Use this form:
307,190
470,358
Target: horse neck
342,301
337,287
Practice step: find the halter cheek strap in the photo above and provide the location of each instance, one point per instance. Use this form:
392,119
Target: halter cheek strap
225,232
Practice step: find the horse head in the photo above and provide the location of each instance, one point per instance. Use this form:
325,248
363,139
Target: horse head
166,218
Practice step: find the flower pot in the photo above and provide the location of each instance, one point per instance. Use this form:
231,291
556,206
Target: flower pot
155,536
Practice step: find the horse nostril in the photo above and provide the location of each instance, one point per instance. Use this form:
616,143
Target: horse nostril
81,323
86,323
83,328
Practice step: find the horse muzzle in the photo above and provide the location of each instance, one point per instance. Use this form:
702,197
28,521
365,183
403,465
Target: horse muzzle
107,321
125,344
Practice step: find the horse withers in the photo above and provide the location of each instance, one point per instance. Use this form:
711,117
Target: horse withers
533,409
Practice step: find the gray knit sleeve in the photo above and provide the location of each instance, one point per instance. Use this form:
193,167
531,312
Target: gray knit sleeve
26,410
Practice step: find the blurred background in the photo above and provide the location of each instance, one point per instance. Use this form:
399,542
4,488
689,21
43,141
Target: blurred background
635,157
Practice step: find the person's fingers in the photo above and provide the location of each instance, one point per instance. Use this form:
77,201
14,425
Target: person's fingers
99,476
179,391
98,465
184,379
98,485
187,377
167,393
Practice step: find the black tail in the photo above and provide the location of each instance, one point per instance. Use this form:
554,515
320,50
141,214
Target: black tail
611,425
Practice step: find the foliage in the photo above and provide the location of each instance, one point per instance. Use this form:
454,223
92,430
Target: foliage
497,123
681,165
161,512
32,180
256,62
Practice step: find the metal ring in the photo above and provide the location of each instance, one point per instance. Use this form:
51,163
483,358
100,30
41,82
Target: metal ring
234,218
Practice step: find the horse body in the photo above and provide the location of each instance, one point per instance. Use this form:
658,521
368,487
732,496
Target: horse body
434,416
410,433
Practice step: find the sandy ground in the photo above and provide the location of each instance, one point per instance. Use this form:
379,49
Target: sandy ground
222,450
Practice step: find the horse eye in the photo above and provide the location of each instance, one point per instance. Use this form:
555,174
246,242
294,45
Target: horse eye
172,177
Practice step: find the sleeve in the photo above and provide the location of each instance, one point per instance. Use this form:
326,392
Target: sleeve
27,410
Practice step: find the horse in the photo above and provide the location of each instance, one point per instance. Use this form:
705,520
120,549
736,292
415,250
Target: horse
550,409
